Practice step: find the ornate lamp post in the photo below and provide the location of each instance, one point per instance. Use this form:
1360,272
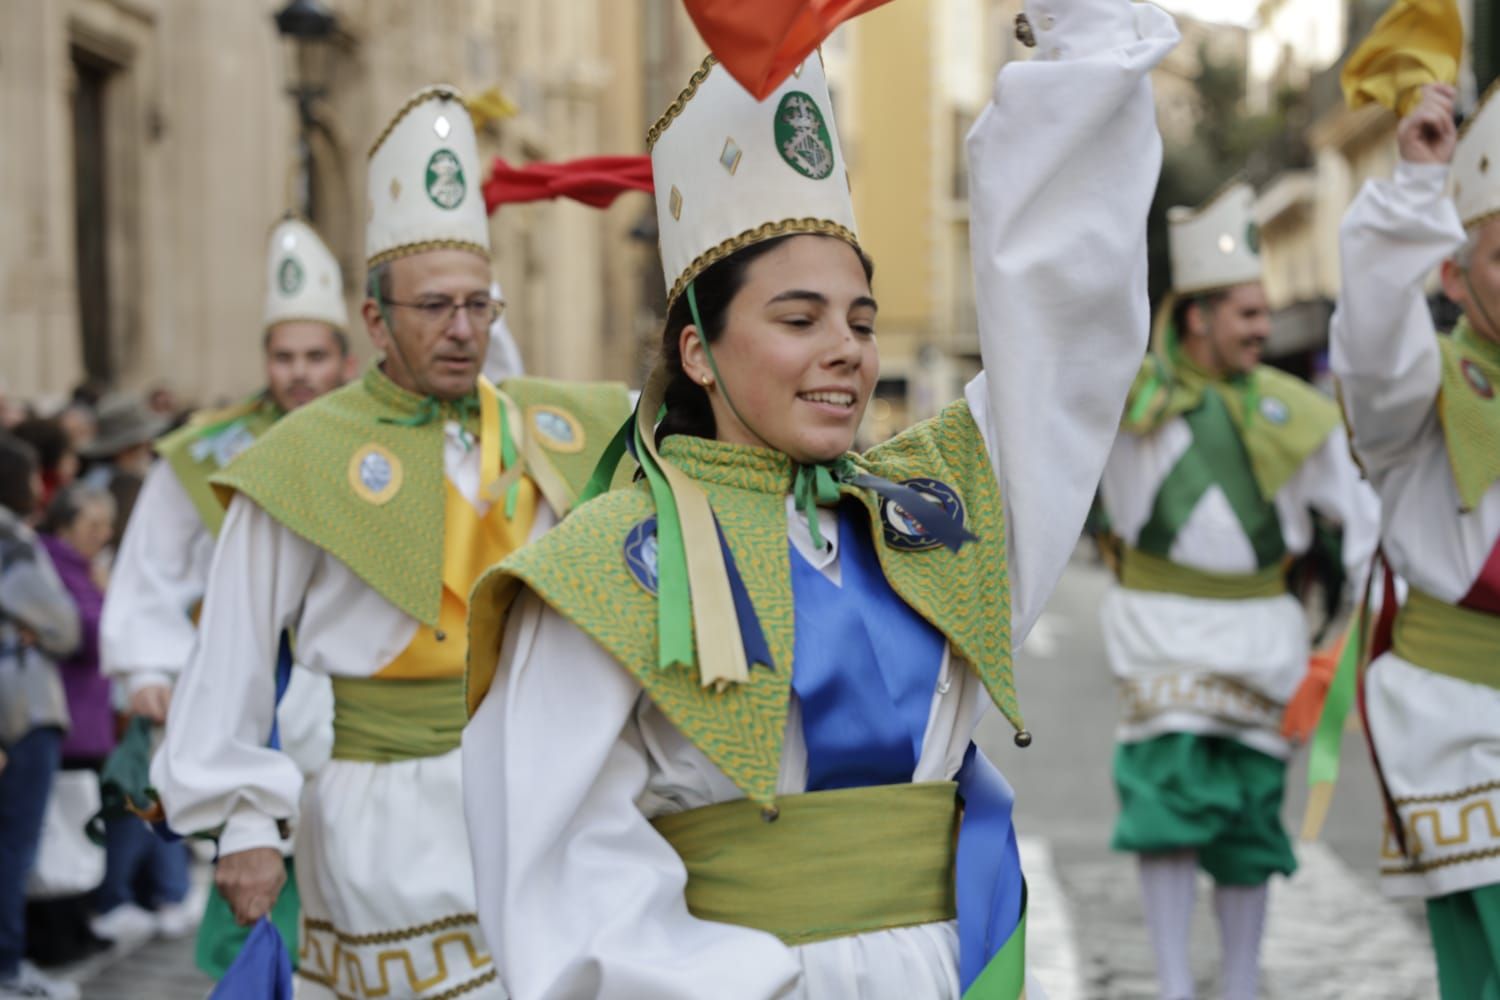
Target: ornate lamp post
308,27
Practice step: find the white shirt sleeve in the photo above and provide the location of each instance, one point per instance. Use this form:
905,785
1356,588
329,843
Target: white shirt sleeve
578,894
1383,347
1064,164
1330,483
145,631
214,766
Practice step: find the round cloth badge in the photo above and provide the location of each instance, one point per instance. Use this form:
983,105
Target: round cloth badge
375,473
289,276
1275,410
902,530
1477,379
231,443
640,554
557,429
445,179
802,136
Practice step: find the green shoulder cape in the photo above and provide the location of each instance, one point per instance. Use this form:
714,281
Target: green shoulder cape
1469,412
208,443
360,475
582,568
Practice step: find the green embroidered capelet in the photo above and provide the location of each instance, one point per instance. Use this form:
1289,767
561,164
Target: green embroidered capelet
582,568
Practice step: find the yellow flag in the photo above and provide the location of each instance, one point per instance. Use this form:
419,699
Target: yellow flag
490,106
1415,43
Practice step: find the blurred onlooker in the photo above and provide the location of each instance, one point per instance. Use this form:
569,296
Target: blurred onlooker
38,622
76,531
77,418
54,449
121,453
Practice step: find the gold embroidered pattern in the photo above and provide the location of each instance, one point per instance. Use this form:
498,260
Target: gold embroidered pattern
347,974
1462,793
676,107
1205,694
420,97
407,249
770,230
1440,834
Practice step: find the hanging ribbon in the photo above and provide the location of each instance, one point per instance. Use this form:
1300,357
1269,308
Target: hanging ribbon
1415,42
595,181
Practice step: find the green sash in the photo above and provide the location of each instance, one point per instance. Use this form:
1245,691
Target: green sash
1217,457
381,721
1447,639
1143,571
1470,411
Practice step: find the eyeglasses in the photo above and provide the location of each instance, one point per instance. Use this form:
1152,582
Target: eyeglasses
440,310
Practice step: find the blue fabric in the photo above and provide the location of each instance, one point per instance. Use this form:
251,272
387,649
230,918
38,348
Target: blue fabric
283,678
140,866
752,636
860,733
262,971
865,668
25,784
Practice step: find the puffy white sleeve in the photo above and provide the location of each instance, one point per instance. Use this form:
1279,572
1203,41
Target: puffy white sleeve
1331,484
1383,347
579,896
214,767
145,632
1063,166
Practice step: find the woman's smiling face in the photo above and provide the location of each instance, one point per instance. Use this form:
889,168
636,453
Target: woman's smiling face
797,354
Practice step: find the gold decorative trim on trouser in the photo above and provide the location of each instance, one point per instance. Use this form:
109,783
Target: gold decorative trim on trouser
1441,830
1202,694
330,957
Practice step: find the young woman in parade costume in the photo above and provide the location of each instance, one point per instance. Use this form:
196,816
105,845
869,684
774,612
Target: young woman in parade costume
723,720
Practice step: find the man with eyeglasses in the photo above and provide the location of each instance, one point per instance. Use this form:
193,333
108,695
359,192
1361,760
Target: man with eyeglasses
355,528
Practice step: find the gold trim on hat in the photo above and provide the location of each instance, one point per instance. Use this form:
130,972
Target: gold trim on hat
1481,218
437,92
299,318
770,230
676,107
407,249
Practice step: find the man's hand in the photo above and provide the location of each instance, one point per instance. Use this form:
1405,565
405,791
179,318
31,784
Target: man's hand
250,881
1428,134
152,702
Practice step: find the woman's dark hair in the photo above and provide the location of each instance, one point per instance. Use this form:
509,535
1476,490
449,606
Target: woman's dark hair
688,409
18,463
47,437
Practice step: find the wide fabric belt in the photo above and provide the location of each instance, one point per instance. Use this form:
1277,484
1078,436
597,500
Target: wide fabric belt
382,721
834,863
1143,571
1448,639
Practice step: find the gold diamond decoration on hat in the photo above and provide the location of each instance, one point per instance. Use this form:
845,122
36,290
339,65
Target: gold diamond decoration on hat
441,127
729,157
675,202
1226,244
395,188
798,71
1484,164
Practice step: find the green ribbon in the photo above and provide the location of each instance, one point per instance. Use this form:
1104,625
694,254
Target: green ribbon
465,410
1323,755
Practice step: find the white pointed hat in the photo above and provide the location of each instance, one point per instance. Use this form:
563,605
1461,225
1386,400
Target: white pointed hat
731,171
1216,245
424,181
303,280
1475,174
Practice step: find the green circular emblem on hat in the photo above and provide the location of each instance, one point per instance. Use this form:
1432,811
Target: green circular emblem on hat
445,179
802,136
1252,237
289,276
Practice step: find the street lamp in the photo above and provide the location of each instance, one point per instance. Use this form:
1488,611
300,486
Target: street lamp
308,27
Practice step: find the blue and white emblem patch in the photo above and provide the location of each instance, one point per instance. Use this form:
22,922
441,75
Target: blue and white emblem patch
557,429
375,473
641,554
1275,410
902,531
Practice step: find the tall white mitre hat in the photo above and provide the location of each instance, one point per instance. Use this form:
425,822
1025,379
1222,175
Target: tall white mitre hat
1216,245
1475,174
424,181
731,171
303,281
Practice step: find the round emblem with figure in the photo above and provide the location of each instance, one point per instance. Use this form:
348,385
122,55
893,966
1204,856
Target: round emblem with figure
445,179
289,276
1275,410
904,532
558,430
375,473
802,136
1477,379
641,554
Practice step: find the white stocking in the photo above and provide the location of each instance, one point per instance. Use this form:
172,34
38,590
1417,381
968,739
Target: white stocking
1168,887
1242,920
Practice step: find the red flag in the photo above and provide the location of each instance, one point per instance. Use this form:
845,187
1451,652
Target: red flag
761,43
594,180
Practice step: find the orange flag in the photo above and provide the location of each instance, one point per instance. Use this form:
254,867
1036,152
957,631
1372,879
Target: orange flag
1416,42
761,43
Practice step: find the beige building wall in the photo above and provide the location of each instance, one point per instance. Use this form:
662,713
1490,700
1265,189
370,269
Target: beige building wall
199,139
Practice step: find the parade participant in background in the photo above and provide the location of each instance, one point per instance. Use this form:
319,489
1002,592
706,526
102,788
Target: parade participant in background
38,626
1209,491
162,569
736,698
1426,425
357,526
